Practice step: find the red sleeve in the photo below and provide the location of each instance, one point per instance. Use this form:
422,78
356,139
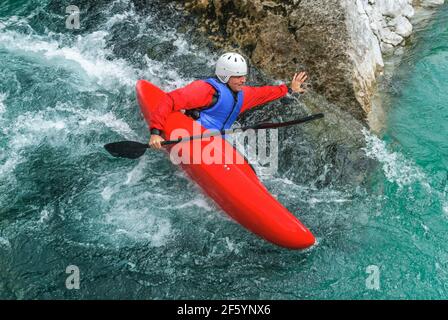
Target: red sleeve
256,96
194,95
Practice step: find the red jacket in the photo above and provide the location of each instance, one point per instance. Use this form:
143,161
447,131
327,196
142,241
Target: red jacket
200,94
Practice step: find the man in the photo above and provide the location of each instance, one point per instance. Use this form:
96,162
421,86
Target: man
216,102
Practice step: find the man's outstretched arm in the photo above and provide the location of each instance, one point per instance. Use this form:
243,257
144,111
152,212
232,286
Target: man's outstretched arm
256,96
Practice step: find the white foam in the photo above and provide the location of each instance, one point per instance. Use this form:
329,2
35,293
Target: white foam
89,53
90,56
86,53
3,97
117,18
4,243
198,202
91,118
232,246
425,227
31,128
136,174
145,24
139,225
158,70
11,163
314,200
396,167
183,47
109,120
108,192
44,216
319,195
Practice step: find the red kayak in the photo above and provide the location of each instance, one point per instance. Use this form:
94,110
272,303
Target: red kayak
234,187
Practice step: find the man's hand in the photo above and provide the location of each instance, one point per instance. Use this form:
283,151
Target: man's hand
155,141
297,81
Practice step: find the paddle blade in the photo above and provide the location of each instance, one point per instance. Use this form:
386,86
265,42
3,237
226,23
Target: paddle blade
126,149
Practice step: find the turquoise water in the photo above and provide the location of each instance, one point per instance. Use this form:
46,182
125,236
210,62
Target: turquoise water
141,230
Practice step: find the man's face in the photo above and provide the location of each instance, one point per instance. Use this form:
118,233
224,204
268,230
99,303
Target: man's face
236,84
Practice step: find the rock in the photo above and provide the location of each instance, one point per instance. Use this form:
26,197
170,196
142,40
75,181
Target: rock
399,51
401,26
340,43
392,38
275,47
430,3
395,8
387,48
365,53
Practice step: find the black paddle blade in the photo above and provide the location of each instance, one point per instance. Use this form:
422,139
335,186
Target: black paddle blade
126,149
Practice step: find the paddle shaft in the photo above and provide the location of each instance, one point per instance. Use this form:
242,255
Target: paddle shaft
134,150
254,127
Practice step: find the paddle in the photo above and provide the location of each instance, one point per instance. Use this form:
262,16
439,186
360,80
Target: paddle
134,150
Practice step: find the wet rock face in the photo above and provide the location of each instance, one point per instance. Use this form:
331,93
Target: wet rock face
283,37
341,43
389,21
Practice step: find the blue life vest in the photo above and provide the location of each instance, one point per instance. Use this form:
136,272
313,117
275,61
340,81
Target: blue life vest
225,111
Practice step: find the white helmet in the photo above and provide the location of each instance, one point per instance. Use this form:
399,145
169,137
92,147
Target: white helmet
230,64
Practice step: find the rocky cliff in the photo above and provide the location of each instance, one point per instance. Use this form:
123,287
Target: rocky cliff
341,43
